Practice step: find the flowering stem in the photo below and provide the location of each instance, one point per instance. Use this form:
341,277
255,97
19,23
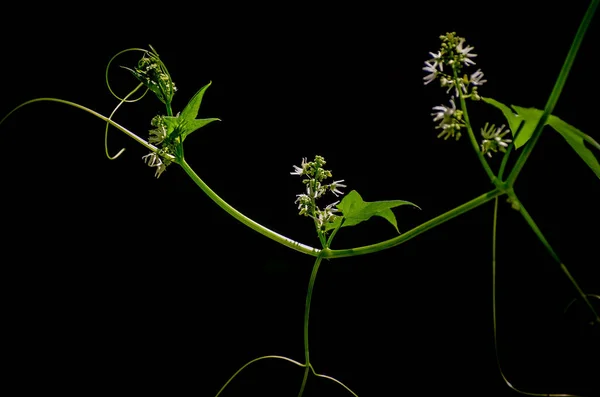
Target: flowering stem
329,253
463,106
556,91
313,193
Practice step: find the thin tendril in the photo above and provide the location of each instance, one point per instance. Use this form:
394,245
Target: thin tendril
332,379
108,67
253,361
110,119
575,300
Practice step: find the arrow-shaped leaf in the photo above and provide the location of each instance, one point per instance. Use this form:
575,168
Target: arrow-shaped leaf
190,112
574,137
186,121
355,210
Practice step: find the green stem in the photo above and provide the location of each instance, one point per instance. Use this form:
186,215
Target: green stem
304,379
463,106
309,292
556,91
367,249
509,150
546,244
243,218
494,315
333,233
328,253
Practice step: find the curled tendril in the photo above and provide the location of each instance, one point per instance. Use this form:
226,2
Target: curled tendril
110,119
122,100
291,361
108,83
576,299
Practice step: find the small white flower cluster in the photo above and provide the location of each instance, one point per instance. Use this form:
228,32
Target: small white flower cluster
493,139
450,119
154,75
151,71
153,160
454,55
157,137
315,174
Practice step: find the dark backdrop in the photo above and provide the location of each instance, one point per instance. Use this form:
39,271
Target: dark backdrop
114,281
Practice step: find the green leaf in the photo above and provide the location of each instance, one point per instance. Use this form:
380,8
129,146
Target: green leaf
186,122
190,112
531,117
355,210
574,137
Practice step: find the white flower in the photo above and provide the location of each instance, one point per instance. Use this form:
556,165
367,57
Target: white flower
330,207
325,216
465,52
158,135
443,113
160,169
433,72
315,192
304,203
152,159
437,60
300,170
493,139
334,187
477,78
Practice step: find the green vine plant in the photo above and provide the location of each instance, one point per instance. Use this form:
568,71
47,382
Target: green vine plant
447,66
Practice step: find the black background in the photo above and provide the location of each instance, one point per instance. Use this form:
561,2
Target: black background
114,281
